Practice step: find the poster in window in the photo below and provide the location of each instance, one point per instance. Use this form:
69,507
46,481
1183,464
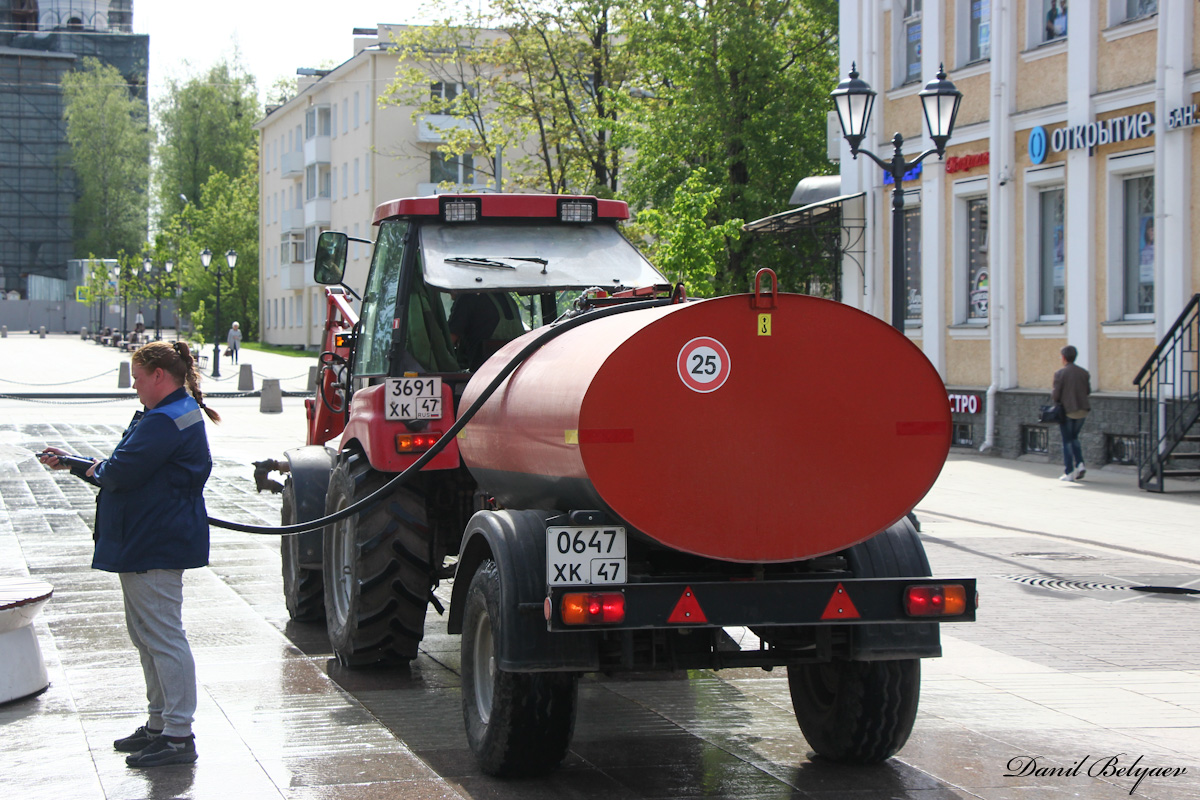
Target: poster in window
1146,250
1059,263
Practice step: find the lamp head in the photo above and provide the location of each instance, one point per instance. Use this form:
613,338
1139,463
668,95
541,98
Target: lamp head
853,99
205,257
231,258
940,100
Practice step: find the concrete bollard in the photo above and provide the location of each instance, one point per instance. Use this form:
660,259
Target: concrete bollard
83,333
271,400
42,332
312,379
3,331
246,378
123,379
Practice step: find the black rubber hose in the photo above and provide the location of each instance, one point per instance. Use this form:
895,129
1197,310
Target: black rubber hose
551,332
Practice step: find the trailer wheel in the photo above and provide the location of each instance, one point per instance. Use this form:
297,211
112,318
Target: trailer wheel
303,588
859,712
518,723
377,573
862,712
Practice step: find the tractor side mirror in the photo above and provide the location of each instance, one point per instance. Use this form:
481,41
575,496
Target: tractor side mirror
330,263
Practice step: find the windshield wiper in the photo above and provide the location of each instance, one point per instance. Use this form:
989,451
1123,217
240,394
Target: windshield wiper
471,261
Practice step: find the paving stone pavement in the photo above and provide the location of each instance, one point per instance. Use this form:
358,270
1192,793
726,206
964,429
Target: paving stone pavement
1066,663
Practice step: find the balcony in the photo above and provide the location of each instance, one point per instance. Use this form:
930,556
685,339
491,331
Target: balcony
292,164
317,211
430,127
292,277
292,220
316,150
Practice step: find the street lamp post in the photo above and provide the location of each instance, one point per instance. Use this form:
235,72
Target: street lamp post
119,285
205,260
159,278
853,99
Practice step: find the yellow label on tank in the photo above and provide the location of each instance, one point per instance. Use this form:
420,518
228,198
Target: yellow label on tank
571,437
764,324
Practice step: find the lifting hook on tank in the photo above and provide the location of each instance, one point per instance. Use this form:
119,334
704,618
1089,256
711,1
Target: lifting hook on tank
761,299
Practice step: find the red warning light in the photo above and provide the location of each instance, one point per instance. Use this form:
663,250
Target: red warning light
687,610
840,606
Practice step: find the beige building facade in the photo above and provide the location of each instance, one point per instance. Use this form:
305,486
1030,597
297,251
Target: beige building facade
1063,212
329,156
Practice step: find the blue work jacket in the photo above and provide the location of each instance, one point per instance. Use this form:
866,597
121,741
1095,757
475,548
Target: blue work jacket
150,512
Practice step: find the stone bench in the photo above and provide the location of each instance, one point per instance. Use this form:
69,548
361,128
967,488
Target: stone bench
22,670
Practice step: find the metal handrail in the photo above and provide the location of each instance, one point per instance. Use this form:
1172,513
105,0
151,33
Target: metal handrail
1168,396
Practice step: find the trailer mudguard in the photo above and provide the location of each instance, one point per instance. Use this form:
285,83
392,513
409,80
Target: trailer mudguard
310,467
516,541
896,552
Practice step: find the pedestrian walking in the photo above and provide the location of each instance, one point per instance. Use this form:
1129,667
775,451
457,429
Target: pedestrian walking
151,525
1072,385
233,342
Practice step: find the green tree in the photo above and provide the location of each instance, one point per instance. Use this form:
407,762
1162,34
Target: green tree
205,123
110,152
533,81
738,88
225,218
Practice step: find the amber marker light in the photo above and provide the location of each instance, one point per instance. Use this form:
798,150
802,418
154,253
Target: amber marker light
938,600
414,442
593,608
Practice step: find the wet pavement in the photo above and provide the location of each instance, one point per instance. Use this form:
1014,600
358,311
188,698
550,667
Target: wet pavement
1073,683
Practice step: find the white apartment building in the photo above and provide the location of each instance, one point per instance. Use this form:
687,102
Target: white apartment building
329,156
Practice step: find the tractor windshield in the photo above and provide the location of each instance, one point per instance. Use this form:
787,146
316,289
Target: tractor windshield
486,257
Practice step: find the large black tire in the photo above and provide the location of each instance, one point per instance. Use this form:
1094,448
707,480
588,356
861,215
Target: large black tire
378,578
303,588
862,712
518,723
858,712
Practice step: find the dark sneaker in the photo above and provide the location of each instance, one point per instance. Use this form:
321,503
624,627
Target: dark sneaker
162,751
138,740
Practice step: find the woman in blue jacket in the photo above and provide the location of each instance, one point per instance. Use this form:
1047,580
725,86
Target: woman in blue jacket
151,525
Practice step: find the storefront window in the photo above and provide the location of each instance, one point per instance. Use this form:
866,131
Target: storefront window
981,30
1055,14
977,260
1053,251
912,264
1139,246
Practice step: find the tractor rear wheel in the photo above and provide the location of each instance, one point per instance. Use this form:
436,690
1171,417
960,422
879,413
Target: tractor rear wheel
303,588
378,577
518,723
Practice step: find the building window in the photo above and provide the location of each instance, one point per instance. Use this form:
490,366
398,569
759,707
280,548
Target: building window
356,110
356,176
1137,9
333,124
345,114
1139,246
977,260
345,178
910,41
317,181
1054,12
446,168
1052,256
316,122
980,31
912,265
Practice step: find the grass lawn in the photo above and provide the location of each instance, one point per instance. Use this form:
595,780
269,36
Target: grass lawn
283,351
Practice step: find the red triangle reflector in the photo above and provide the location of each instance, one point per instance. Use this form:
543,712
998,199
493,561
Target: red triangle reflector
687,609
840,606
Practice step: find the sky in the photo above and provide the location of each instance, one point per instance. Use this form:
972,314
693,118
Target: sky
272,39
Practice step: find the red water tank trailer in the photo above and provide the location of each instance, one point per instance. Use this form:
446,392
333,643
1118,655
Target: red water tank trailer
752,428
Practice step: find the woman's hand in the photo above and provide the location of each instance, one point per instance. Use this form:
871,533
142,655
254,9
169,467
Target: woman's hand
50,457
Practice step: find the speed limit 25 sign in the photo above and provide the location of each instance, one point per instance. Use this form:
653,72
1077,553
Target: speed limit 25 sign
703,364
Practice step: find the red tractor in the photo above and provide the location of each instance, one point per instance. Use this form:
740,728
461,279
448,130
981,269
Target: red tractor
617,478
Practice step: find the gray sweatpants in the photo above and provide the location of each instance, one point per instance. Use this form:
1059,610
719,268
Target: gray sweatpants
154,617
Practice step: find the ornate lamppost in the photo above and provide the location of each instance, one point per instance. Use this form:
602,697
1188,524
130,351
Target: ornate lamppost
205,260
159,279
940,99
